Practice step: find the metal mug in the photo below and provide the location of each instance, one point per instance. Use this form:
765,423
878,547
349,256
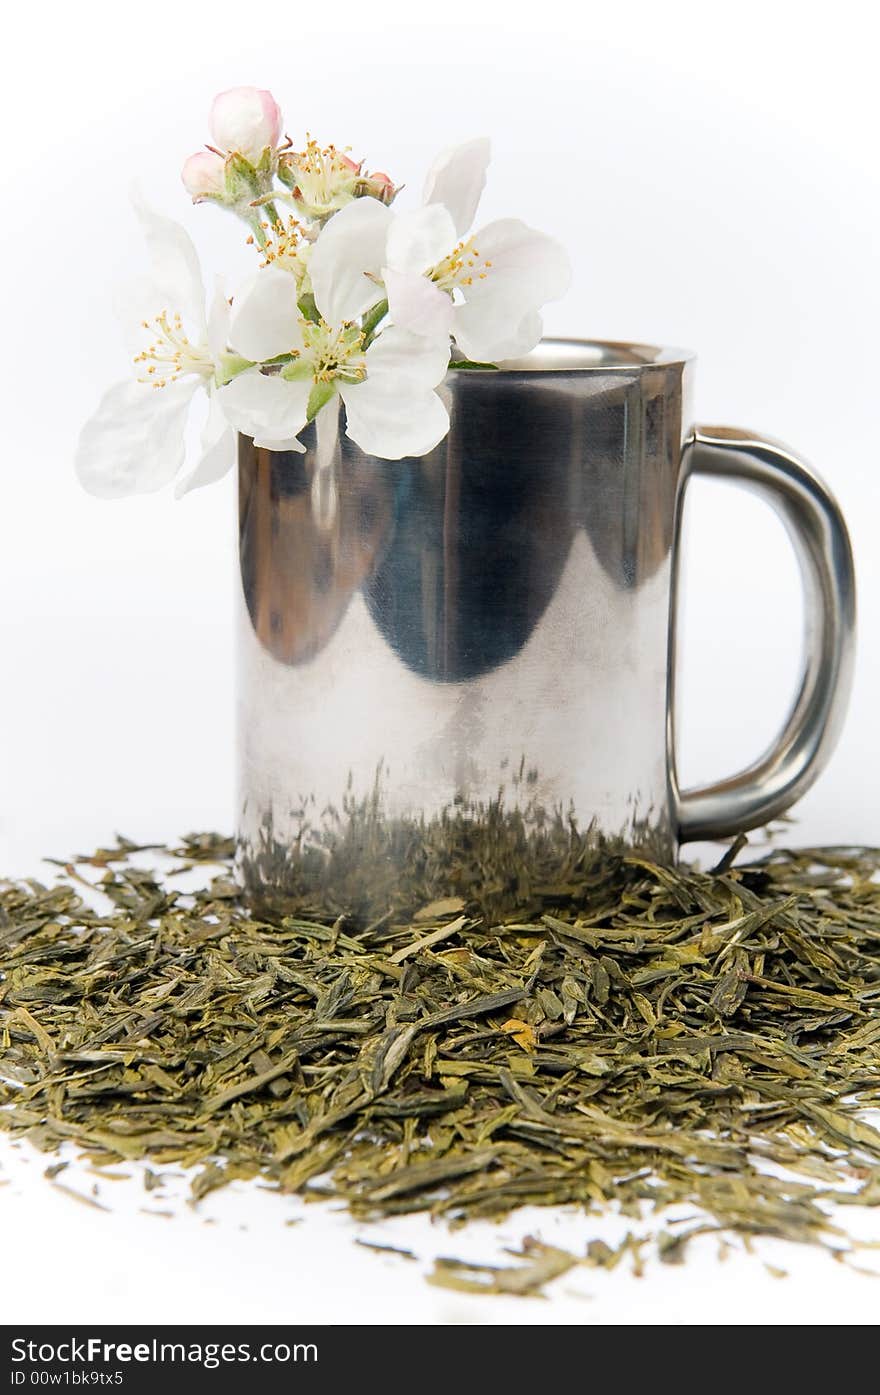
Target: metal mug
498,618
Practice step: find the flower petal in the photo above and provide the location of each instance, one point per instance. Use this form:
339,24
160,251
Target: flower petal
420,238
265,318
392,419
350,248
137,300
219,447
493,331
292,444
414,360
218,321
528,334
457,178
416,304
204,174
525,270
266,408
525,264
134,443
174,264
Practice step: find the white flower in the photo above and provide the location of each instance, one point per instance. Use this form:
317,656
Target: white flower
289,248
322,181
246,121
135,442
484,288
387,385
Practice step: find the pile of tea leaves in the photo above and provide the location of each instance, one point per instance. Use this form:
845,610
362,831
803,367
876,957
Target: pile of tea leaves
642,1038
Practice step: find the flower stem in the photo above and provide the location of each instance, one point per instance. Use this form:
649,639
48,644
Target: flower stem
320,395
254,222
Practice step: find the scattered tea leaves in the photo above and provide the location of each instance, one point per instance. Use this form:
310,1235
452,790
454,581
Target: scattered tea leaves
521,1022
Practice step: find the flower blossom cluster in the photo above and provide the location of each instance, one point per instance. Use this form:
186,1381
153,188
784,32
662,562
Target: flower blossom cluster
356,303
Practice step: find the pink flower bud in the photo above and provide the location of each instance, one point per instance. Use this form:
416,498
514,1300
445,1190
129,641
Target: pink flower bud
246,120
203,175
380,186
349,164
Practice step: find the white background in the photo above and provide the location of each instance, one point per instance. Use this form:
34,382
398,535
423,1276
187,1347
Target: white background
714,172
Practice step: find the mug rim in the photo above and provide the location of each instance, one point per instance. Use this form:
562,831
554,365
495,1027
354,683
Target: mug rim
604,355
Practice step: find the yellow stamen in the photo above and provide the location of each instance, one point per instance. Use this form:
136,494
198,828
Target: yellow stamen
172,352
457,268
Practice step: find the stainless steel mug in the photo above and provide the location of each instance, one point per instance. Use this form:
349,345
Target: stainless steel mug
494,623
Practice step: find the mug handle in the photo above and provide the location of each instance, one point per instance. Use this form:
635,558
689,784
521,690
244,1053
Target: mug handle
821,542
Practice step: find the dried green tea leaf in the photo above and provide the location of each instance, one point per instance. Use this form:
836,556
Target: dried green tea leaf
541,1264
437,910
385,1249
443,933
